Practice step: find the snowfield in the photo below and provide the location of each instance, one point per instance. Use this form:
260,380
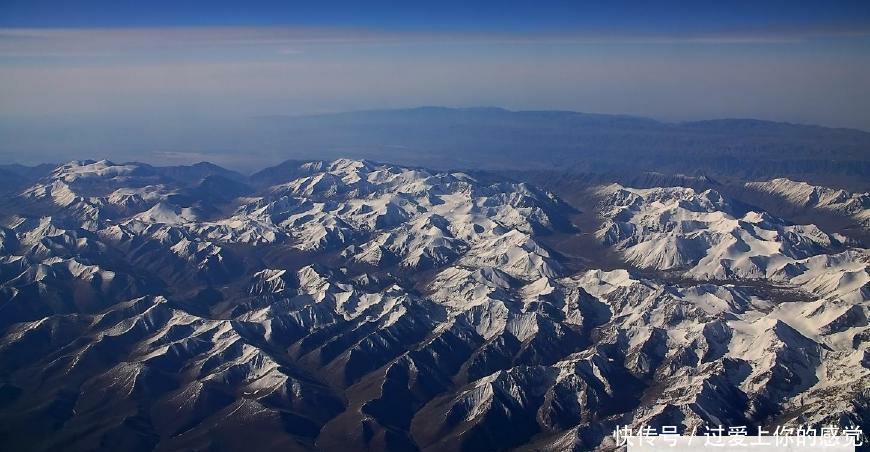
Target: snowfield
366,306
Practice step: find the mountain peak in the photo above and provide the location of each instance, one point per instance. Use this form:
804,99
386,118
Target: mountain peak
468,301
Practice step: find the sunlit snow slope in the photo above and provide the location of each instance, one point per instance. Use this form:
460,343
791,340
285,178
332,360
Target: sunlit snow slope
352,305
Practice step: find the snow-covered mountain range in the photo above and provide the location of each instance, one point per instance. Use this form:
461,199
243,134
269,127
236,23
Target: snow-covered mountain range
352,305
803,195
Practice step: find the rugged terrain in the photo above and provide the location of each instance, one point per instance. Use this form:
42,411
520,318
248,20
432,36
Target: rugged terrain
351,305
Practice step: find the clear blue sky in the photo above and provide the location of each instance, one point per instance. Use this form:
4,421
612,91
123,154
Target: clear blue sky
450,15
204,63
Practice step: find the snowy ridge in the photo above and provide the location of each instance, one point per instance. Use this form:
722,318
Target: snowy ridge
702,235
804,195
360,305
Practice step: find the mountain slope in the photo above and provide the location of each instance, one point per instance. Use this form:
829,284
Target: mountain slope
356,305
801,195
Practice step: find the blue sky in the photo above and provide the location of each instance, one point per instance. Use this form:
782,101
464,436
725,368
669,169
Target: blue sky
68,69
449,15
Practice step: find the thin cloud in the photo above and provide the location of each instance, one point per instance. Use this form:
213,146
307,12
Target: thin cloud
130,42
236,71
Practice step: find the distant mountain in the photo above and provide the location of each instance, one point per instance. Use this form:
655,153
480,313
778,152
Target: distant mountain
354,305
493,138
727,150
14,177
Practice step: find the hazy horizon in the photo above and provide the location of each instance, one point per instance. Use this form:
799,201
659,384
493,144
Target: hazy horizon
124,77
